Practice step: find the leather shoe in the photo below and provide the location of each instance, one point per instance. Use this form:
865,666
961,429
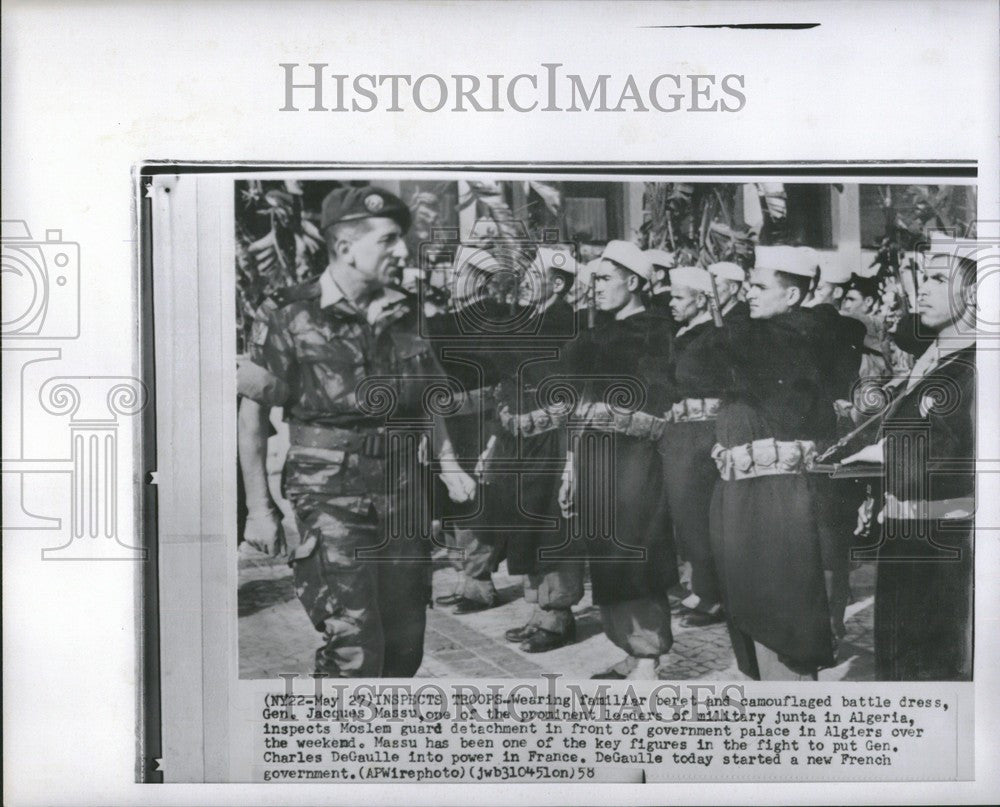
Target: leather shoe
467,606
520,634
700,619
448,599
542,640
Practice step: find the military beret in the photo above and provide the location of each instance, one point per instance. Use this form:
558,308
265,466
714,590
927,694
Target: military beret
369,202
691,277
833,267
865,286
726,270
785,259
627,254
661,258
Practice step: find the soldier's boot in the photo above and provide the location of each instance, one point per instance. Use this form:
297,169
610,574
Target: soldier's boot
475,595
556,628
518,635
703,617
403,596
353,646
523,633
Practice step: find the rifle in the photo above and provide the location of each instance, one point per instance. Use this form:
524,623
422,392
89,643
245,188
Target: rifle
714,304
855,470
591,303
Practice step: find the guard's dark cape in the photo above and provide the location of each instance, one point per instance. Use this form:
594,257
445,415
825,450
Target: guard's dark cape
764,530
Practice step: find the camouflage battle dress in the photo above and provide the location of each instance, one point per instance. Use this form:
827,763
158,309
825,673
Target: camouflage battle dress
347,378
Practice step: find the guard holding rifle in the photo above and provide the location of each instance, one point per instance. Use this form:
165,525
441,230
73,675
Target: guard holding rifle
333,353
728,283
926,448
776,413
659,292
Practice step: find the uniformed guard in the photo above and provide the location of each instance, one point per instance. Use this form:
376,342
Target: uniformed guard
861,302
531,443
342,356
776,413
659,291
833,279
695,380
616,515
927,447
837,500
474,365
729,281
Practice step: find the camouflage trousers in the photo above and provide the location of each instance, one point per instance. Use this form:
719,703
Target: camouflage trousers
367,594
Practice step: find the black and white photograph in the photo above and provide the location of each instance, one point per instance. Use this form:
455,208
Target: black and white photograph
498,428
521,403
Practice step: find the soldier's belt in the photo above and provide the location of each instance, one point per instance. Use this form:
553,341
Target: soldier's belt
601,417
693,409
596,417
537,421
369,442
476,401
766,457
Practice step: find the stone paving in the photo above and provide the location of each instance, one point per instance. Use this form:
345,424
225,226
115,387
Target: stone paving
275,636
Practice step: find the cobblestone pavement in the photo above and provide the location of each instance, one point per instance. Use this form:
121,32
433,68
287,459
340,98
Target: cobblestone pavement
275,636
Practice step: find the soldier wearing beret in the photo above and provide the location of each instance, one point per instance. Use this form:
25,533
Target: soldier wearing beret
777,412
341,355
617,517
861,300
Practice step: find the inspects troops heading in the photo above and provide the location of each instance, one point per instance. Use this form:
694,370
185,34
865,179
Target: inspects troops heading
684,436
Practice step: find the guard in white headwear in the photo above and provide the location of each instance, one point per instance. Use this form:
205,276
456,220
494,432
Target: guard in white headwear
837,500
695,379
729,280
615,516
778,412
